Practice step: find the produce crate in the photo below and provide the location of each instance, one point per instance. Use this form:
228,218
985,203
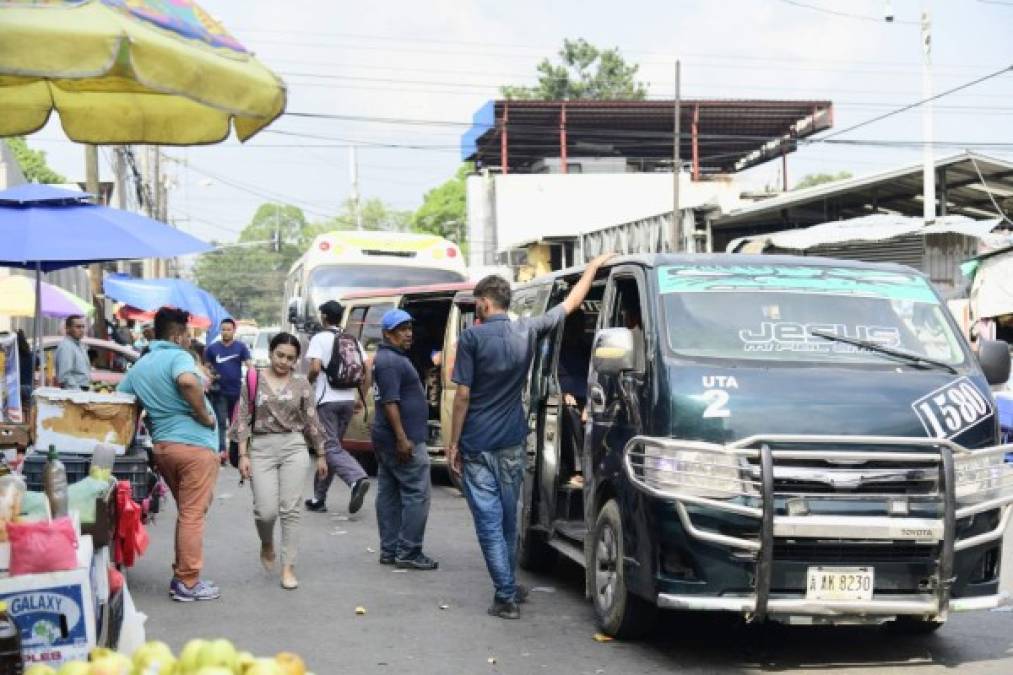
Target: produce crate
132,467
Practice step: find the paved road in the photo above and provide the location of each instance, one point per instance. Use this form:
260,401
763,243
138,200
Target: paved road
407,630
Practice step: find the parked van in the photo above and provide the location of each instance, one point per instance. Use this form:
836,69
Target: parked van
804,440
440,313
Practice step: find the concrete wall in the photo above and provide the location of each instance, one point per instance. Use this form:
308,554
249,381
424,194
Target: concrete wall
528,207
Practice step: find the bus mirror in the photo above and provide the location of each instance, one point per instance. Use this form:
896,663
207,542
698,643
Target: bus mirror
614,352
993,355
294,311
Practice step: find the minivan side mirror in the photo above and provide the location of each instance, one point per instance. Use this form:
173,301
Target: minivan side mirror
613,351
993,355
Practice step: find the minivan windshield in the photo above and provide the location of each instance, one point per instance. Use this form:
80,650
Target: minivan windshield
791,313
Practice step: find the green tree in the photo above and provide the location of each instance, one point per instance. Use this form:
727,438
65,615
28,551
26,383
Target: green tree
32,162
248,278
584,72
812,179
287,220
444,208
248,281
375,216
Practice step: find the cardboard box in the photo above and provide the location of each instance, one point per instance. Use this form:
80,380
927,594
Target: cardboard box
55,611
76,421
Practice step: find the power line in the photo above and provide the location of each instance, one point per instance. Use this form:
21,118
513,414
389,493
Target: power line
999,211
847,15
916,104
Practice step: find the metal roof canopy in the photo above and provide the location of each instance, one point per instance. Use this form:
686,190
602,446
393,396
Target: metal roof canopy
718,136
959,191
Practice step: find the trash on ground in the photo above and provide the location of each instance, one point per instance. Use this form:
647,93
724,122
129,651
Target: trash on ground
601,637
360,610
543,589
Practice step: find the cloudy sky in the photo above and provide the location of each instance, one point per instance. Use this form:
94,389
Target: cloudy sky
440,60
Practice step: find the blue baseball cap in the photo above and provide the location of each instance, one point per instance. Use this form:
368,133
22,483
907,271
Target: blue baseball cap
394,318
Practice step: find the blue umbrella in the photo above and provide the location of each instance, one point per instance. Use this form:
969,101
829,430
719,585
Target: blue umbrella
150,294
45,228
48,228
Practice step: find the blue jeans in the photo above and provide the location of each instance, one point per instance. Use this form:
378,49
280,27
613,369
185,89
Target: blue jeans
493,482
223,405
402,501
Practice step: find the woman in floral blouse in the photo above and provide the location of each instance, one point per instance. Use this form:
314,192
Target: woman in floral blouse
273,452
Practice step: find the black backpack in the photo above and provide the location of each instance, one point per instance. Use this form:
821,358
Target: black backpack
345,369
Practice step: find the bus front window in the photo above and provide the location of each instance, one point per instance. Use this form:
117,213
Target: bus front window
333,281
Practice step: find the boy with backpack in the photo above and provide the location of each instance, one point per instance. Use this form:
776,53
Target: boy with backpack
337,366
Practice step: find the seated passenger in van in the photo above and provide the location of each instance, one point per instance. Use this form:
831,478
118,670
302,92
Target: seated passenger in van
574,363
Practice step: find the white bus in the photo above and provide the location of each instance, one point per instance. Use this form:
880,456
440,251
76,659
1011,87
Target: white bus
343,261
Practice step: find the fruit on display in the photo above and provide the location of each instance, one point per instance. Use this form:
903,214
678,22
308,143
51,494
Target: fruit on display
198,657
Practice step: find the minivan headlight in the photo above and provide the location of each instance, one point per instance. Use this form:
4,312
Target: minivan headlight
699,473
981,478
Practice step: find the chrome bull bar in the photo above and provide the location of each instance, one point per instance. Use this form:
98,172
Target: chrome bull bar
739,478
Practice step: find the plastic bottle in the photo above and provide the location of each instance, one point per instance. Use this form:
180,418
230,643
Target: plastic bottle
10,644
54,483
103,459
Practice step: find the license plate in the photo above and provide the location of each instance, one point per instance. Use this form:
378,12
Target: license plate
839,583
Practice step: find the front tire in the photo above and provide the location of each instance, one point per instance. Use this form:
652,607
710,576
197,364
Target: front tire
620,613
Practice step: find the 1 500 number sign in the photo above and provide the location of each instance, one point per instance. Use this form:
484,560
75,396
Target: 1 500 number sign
949,410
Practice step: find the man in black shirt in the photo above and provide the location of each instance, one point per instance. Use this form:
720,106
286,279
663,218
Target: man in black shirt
399,441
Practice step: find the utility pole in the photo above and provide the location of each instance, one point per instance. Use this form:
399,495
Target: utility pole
928,161
675,238
120,178
95,269
356,211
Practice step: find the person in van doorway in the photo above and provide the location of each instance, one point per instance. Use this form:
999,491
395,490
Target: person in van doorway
182,423
276,423
399,440
73,367
330,364
489,423
226,359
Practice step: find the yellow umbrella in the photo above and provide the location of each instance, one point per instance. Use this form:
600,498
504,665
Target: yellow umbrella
17,298
130,71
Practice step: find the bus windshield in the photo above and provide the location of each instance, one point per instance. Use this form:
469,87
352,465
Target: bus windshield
333,281
787,313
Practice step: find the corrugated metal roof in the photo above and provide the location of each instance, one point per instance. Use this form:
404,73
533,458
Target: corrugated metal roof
898,190
732,134
877,227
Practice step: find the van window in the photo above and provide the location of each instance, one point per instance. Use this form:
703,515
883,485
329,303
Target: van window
626,312
355,320
372,334
529,301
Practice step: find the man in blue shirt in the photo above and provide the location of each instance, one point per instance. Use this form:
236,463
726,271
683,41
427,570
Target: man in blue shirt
490,425
226,359
168,386
399,440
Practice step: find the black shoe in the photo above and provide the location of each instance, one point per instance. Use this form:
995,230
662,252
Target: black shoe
386,559
419,562
505,610
359,490
314,505
521,593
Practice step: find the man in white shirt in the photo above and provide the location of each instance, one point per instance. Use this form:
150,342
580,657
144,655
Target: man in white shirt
335,408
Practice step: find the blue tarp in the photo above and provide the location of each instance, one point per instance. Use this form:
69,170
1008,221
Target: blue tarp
483,120
151,294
